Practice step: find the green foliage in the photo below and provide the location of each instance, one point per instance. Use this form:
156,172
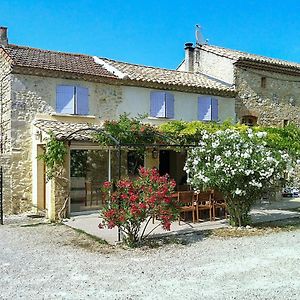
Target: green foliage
129,131
79,163
284,138
241,165
280,138
54,155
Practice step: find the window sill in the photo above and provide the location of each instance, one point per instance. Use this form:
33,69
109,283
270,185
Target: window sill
161,119
72,116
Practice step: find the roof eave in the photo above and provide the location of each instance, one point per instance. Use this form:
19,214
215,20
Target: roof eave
6,56
267,66
230,92
24,70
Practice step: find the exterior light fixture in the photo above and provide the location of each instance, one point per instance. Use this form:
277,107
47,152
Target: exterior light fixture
38,135
154,153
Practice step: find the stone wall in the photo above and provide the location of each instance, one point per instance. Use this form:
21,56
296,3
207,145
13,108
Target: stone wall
279,100
8,205
5,105
32,95
5,145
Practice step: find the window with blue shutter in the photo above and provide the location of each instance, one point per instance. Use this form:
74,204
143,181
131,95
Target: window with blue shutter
169,105
214,109
65,99
208,108
161,105
72,100
82,101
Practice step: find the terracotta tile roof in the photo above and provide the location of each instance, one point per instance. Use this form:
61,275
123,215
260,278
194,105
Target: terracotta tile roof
56,61
165,76
135,75
242,56
63,129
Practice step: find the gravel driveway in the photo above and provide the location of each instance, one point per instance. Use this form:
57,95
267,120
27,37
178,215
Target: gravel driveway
55,262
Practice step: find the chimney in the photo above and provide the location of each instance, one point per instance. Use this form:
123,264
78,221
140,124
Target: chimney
189,57
3,36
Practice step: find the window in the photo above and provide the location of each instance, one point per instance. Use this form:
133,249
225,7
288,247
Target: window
249,120
208,108
72,100
162,105
263,82
285,123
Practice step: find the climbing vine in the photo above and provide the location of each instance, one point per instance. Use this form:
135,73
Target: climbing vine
54,155
129,131
132,131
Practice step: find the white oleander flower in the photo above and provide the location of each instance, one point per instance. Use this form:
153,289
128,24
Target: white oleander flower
261,134
238,191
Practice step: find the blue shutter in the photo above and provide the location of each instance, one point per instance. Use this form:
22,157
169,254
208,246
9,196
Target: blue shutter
169,105
204,108
65,99
82,103
215,109
157,104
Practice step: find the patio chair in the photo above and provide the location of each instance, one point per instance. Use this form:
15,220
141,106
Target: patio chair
183,187
187,201
219,203
204,203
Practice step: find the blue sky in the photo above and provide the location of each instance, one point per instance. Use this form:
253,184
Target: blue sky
154,32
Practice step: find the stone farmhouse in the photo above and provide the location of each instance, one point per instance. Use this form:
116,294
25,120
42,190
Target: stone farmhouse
42,91
268,90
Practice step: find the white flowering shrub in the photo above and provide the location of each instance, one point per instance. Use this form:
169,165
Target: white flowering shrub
240,165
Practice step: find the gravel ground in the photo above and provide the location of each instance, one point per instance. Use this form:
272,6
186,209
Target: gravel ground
56,262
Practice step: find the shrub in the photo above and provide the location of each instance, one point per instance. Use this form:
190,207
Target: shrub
133,202
240,165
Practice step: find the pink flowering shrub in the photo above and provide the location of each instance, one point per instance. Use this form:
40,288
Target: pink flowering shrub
136,201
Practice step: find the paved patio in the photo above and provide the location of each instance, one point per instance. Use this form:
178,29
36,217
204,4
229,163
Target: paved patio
264,212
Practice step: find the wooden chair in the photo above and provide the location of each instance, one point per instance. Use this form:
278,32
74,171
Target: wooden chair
187,202
183,187
219,203
204,202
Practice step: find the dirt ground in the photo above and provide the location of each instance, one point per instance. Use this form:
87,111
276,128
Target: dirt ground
55,262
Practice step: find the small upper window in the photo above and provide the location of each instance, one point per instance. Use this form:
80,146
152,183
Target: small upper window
72,100
249,120
263,82
208,108
285,123
162,105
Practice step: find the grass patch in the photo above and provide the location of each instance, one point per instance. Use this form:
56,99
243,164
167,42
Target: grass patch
258,229
283,225
90,236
